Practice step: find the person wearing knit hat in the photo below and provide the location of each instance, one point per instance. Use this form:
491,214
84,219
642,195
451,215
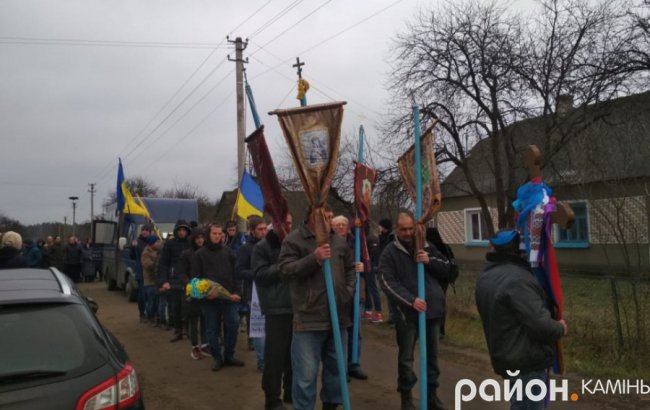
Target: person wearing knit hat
10,251
519,330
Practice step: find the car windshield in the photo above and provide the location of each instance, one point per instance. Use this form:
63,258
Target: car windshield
48,340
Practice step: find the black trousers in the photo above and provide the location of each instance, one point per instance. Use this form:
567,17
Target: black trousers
277,358
176,302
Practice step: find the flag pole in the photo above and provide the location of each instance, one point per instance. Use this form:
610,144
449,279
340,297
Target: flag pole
357,259
421,291
334,318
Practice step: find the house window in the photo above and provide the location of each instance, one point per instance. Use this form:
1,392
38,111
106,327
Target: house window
578,235
476,232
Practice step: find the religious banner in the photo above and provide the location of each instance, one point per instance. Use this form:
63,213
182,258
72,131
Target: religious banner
364,182
275,204
431,197
313,136
537,210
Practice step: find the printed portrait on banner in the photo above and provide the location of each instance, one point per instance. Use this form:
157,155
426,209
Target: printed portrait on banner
315,145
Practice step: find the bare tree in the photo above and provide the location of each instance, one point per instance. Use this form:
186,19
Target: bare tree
477,70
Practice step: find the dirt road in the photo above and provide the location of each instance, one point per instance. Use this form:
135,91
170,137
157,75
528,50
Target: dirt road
171,380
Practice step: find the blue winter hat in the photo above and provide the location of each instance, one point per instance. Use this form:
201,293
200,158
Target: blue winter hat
504,237
151,239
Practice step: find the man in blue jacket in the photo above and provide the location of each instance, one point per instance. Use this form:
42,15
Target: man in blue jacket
398,277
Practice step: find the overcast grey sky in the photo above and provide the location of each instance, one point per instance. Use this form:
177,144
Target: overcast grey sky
83,82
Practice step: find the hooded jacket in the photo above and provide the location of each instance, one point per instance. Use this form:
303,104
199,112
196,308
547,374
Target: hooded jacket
299,267
188,267
274,294
399,279
519,330
170,263
11,258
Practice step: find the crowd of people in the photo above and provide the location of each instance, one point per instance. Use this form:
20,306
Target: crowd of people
73,258
285,272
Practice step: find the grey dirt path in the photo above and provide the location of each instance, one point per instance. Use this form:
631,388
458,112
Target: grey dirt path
171,380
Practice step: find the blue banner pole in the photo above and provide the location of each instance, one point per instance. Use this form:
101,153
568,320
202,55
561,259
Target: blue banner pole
251,102
422,316
357,258
336,331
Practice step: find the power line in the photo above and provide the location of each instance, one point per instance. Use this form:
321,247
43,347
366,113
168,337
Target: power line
354,25
249,17
300,20
109,166
315,88
103,43
275,18
192,130
106,170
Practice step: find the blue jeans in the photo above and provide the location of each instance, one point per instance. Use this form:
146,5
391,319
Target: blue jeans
142,298
407,330
216,311
258,343
162,307
308,349
149,301
526,403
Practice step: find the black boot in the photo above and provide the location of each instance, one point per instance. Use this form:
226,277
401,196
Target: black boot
407,401
330,406
433,402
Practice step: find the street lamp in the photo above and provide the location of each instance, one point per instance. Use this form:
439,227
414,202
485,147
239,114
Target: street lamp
74,211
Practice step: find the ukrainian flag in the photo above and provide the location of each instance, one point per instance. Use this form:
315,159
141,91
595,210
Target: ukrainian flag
125,201
249,198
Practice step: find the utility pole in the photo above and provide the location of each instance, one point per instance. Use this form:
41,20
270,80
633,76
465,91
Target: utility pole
240,45
92,209
74,212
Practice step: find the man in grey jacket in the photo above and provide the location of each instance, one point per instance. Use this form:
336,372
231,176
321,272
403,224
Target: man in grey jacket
301,265
519,329
398,277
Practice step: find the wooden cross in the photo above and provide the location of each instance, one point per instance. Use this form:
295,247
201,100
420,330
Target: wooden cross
298,66
563,215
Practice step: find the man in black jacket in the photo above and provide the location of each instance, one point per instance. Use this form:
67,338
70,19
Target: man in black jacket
216,262
398,276
170,275
275,302
244,272
519,329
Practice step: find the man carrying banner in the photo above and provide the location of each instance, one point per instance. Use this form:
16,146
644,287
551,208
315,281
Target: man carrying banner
398,277
301,264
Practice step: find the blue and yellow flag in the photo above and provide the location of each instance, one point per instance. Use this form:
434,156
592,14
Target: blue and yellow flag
125,201
249,198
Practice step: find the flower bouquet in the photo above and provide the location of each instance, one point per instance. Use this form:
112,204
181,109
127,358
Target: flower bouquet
200,288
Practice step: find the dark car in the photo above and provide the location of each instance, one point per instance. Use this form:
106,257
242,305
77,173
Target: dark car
54,353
